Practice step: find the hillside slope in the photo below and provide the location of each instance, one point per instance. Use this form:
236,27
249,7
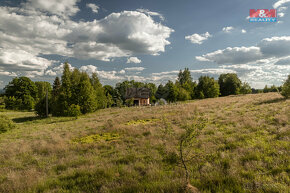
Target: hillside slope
242,147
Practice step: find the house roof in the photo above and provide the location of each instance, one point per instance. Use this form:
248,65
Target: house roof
138,93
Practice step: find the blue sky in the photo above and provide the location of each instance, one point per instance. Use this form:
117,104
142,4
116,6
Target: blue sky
147,41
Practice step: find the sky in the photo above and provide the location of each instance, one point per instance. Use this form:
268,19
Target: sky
148,41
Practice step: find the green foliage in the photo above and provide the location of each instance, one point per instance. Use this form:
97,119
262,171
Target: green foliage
153,91
28,102
100,95
77,89
123,86
230,84
172,91
161,92
273,88
2,103
74,111
184,80
21,94
183,94
40,107
207,87
97,138
245,88
129,102
12,103
42,87
5,124
87,98
142,121
184,77
286,88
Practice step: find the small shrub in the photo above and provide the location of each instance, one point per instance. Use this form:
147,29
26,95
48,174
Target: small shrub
129,102
5,124
74,111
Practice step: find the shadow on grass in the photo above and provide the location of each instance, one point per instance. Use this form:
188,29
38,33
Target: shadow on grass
45,120
277,100
26,119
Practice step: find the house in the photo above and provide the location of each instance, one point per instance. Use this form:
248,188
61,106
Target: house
140,96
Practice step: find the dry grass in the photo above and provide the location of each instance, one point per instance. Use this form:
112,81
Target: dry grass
244,147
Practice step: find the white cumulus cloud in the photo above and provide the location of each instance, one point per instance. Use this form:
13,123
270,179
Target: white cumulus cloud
198,38
94,7
235,55
133,60
228,29
39,28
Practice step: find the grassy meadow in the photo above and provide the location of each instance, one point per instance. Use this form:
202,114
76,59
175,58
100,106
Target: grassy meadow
243,146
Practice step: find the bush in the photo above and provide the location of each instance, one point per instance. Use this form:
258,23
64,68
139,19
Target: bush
286,88
129,102
74,111
5,124
40,107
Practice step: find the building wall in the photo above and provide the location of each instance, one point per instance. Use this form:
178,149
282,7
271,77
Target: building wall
143,102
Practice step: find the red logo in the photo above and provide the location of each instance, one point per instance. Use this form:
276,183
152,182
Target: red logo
262,13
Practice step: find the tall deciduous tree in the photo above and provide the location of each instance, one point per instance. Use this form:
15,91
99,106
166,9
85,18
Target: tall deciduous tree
184,81
230,84
245,88
207,87
20,93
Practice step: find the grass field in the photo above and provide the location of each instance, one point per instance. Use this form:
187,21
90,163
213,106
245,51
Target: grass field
244,146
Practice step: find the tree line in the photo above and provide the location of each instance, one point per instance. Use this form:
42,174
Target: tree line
78,93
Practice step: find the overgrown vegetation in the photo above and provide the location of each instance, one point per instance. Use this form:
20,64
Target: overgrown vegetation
242,146
5,124
77,93
286,88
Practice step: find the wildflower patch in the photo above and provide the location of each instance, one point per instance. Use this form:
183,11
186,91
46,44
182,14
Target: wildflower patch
97,138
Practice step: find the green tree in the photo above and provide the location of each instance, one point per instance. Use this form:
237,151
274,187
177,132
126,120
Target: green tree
245,88
286,88
87,98
172,91
184,77
99,92
184,80
207,87
153,91
55,106
75,89
161,92
183,94
56,87
21,94
42,86
123,86
230,84
109,92
64,98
